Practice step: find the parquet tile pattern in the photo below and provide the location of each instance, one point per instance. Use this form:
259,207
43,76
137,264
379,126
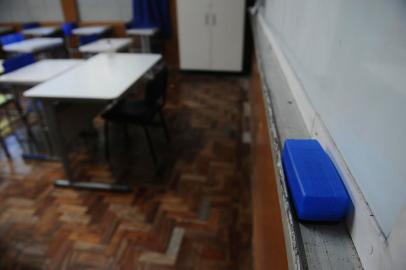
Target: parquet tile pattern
193,214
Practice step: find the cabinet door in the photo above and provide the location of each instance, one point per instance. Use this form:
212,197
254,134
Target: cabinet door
228,18
194,34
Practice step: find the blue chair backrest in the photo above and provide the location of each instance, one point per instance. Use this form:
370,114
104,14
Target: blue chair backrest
30,25
11,38
67,28
83,40
129,25
17,62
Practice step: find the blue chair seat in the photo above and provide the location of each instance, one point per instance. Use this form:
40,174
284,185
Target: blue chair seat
67,28
83,40
11,38
17,62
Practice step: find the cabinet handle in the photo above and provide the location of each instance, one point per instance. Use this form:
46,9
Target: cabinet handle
214,19
206,19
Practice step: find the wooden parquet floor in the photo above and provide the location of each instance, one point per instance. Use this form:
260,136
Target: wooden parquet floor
193,214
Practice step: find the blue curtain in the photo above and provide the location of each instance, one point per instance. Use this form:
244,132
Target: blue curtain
151,13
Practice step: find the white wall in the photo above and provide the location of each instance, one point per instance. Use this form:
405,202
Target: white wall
105,10
349,60
30,10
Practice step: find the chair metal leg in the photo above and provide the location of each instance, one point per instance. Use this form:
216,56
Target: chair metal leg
4,146
106,140
25,121
12,126
151,147
43,126
161,115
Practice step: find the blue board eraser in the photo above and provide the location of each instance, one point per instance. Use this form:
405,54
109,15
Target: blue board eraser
316,188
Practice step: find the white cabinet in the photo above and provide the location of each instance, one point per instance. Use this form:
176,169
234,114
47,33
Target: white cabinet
211,34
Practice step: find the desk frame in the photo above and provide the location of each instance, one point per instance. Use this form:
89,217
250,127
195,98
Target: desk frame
61,146
145,38
62,149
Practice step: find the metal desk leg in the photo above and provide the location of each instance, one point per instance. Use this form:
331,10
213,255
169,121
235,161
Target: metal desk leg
56,136
24,120
44,128
61,147
33,153
145,44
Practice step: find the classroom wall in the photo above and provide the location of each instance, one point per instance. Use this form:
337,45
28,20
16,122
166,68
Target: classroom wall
105,10
16,11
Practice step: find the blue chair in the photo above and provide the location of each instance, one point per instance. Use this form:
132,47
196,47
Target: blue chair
83,40
67,28
10,65
129,25
11,38
30,25
17,62
7,124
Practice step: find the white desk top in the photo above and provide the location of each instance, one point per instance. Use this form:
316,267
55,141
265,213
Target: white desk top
4,29
40,71
142,31
33,45
105,76
90,30
106,45
40,31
